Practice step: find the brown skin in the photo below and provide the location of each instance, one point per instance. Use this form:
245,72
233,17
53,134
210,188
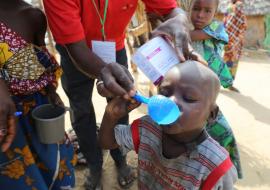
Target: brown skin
194,93
30,23
202,14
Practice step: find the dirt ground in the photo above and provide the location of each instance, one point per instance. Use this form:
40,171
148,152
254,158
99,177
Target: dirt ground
248,112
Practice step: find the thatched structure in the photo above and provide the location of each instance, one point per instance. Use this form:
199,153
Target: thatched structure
256,11
251,7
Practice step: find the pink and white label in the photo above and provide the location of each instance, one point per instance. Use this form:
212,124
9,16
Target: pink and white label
155,58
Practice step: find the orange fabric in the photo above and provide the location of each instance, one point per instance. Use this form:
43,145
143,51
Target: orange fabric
74,20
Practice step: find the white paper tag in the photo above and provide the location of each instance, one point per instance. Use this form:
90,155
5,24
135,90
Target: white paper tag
155,58
105,50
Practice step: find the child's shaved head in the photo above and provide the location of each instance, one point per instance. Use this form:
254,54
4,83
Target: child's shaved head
203,74
194,88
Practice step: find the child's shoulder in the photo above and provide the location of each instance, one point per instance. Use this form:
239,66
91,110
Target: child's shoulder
217,160
212,151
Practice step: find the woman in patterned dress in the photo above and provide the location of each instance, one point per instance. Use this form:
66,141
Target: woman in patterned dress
236,24
28,78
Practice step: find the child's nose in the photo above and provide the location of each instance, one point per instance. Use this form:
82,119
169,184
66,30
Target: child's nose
177,101
201,14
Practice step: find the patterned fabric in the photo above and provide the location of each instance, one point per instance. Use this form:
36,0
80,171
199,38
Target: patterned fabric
188,171
28,164
220,130
236,25
29,68
212,51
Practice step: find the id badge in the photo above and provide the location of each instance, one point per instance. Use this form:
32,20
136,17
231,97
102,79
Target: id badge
105,50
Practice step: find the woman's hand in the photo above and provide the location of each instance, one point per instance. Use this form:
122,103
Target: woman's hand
7,118
53,97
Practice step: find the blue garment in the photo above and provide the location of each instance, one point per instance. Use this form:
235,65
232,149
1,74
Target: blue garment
29,164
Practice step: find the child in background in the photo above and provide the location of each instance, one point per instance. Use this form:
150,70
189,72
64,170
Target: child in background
181,155
209,37
28,78
236,24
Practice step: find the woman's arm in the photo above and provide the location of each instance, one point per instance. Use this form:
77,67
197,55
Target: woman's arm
7,118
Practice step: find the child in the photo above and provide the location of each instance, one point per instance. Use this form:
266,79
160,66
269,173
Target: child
28,78
236,24
209,37
181,155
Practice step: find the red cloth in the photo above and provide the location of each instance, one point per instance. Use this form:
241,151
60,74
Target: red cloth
73,20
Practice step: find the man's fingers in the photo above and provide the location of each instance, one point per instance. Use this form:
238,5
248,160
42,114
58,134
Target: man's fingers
102,90
117,79
109,79
181,46
123,77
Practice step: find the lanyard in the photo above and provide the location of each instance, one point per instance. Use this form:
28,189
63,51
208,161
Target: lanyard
102,21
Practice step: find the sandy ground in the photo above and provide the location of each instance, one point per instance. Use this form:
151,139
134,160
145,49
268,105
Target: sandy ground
248,113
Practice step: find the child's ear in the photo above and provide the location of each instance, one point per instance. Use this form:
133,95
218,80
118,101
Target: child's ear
213,114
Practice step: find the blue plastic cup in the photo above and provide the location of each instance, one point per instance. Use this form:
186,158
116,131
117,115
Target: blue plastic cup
161,109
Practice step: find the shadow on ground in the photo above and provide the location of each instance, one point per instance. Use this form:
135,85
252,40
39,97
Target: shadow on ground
255,167
259,111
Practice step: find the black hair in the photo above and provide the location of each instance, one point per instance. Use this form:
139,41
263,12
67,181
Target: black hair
217,3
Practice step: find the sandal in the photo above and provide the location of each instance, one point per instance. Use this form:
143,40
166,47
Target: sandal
232,88
93,182
125,176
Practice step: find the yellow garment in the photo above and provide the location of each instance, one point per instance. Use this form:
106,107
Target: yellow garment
5,54
25,64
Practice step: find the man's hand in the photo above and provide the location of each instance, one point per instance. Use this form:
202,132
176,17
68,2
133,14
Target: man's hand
117,81
176,31
7,118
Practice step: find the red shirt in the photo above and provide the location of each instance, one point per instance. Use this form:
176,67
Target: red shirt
74,20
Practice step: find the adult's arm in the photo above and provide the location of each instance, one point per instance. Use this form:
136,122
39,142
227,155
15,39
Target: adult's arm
61,20
116,79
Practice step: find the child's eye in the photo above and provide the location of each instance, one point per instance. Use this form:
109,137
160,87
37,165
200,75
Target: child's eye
195,8
189,99
165,92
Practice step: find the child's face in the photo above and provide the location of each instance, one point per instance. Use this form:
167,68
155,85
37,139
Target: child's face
186,86
202,13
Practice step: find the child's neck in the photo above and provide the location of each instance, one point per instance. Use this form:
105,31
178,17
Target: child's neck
174,146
